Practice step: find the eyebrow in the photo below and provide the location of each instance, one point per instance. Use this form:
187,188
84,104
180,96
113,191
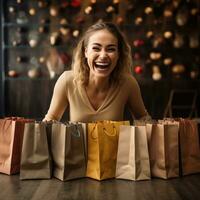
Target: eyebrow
110,45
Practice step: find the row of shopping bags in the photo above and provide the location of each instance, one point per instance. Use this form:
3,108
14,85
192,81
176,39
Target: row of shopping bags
37,149
100,150
174,147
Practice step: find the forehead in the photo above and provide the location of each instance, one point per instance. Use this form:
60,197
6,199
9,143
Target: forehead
102,37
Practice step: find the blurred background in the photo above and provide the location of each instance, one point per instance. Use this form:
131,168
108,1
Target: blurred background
38,38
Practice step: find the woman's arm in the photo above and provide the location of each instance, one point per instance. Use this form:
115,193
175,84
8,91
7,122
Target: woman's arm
135,101
59,101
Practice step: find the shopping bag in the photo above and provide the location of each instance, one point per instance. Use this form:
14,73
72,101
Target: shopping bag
133,156
189,147
36,162
68,151
163,149
11,136
102,149
148,128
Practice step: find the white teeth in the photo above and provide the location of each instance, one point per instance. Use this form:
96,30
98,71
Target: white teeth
102,64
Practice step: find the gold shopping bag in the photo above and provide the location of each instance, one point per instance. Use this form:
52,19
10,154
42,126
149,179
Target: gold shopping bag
133,156
102,149
163,149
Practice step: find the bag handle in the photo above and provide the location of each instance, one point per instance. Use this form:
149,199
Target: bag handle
77,132
104,130
108,133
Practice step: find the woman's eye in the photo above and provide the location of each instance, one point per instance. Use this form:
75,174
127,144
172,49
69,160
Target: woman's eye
96,48
111,49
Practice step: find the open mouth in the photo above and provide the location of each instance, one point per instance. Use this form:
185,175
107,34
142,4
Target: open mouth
101,65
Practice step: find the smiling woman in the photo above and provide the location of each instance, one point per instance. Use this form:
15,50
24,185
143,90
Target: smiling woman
100,84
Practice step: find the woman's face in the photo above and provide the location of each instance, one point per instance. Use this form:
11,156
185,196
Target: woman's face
102,53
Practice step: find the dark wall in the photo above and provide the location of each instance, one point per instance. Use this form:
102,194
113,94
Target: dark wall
1,68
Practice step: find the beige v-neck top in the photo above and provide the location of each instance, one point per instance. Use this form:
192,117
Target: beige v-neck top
67,93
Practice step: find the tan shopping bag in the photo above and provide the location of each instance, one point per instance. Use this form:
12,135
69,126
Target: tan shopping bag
189,147
163,149
68,151
36,160
148,128
102,149
133,156
11,136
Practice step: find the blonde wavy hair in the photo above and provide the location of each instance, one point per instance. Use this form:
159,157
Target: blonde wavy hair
79,62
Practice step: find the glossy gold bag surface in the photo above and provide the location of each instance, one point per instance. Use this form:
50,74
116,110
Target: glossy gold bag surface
11,136
133,156
102,149
163,149
68,151
36,160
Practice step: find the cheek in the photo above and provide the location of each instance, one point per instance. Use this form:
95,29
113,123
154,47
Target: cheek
91,55
90,59
115,57
88,53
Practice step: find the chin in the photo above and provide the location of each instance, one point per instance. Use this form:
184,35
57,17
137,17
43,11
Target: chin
102,74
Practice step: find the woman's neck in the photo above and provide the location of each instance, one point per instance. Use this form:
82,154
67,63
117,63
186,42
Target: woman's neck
98,84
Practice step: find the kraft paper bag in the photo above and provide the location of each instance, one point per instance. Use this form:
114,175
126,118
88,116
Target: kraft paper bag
68,151
102,149
11,136
189,147
36,162
163,149
133,156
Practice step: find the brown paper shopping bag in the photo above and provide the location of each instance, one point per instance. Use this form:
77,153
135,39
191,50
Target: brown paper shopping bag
133,156
189,147
163,149
102,149
36,160
68,151
11,136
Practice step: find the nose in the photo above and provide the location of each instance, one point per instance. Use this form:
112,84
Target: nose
103,54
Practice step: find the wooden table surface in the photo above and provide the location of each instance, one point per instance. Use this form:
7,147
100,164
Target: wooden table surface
187,188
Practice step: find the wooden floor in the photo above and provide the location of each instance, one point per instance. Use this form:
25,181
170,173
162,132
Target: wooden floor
187,188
